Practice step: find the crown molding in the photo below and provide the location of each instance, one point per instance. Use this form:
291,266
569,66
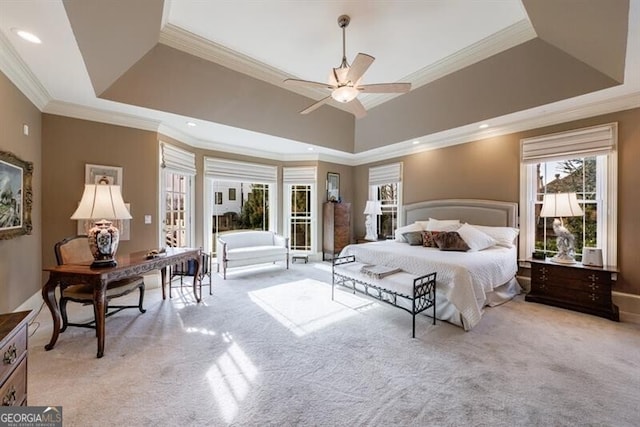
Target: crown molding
20,75
101,115
548,115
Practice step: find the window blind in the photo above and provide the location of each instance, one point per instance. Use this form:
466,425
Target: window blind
299,175
177,160
233,170
380,175
590,141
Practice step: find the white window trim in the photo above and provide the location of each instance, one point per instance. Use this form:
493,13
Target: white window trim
608,236
301,175
387,174
162,211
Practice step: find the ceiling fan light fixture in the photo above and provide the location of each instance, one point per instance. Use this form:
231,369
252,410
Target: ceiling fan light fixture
345,94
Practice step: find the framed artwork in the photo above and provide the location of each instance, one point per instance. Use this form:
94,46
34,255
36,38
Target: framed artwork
16,196
99,174
123,226
333,187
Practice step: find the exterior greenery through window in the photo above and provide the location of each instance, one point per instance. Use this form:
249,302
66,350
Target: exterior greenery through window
387,194
577,175
300,218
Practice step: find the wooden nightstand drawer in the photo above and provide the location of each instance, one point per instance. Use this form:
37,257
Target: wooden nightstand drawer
12,352
14,391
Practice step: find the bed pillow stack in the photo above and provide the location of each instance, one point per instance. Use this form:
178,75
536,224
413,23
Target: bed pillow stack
406,229
504,236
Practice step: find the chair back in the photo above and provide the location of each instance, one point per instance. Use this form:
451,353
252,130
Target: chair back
73,250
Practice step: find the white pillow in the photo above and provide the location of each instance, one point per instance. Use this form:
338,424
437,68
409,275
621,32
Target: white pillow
504,236
474,238
422,224
443,225
407,228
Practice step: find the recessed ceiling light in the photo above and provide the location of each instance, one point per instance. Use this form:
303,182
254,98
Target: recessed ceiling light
483,126
191,124
310,148
30,37
416,142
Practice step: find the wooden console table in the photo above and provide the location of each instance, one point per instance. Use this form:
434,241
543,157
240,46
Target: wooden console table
133,264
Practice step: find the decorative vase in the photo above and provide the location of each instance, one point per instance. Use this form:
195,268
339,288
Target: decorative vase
103,242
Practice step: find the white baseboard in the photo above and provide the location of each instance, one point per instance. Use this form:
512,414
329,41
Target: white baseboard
629,306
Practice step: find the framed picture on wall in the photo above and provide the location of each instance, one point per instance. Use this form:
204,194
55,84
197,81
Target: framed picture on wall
99,174
333,187
16,196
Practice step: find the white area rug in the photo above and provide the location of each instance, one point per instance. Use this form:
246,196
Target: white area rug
271,348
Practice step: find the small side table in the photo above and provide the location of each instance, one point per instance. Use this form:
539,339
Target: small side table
300,257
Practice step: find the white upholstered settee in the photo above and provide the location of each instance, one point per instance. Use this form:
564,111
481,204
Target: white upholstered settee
240,248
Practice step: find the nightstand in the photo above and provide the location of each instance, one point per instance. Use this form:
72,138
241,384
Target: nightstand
574,287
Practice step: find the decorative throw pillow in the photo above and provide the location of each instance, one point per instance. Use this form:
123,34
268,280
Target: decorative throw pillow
407,228
428,239
451,241
443,225
474,238
413,237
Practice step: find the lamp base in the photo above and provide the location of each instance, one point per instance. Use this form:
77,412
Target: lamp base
563,259
104,263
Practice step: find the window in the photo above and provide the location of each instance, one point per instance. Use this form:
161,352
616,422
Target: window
582,161
176,210
385,185
300,187
253,204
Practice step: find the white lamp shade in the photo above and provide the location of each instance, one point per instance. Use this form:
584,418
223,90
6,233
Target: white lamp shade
373,208
100,201
557,205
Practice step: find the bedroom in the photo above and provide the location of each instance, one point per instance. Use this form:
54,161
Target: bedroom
487,168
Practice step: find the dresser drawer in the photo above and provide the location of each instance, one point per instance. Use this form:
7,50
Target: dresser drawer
12,352
14,391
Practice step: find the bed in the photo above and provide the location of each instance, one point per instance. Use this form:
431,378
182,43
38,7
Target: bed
466,281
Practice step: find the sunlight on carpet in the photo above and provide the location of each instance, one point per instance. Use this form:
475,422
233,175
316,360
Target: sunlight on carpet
305,306
230,379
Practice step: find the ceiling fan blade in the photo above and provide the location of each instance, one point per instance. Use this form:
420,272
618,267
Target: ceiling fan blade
356,108
386,88
308,83
316,105
359,66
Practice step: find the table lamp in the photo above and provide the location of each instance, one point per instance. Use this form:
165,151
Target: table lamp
102,202
371,209
559,205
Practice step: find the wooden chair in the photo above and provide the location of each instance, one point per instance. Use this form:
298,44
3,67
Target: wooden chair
75,250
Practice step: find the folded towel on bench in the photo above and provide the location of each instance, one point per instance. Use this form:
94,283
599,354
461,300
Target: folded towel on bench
378,271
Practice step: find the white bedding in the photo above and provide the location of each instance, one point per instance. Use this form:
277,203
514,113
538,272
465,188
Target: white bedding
464,279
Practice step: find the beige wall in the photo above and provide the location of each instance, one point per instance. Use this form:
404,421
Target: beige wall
67,146
489,169
20,261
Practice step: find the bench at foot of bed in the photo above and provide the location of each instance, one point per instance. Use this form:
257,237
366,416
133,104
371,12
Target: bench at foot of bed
413,294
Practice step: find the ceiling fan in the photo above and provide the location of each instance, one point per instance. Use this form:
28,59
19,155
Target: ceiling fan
344,81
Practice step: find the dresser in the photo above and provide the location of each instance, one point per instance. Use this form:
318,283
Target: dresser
13,350
336,226
574,287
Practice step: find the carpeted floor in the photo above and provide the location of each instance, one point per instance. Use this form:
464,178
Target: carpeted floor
270,348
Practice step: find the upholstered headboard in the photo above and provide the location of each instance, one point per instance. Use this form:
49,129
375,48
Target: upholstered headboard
474,211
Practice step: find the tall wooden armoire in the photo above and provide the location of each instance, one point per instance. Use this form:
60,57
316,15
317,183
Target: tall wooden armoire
336,228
